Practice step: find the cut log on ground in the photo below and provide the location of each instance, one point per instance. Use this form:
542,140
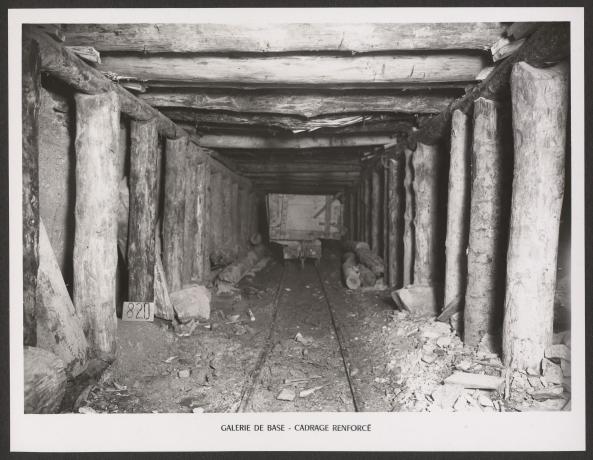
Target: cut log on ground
350,271
395,216
540,106
409,211
45,381
458,208
427,256
95,236
235,272
31,84
485,257
375,211
174,211
59,329
418,299
366,257
143,209
191,303
367,277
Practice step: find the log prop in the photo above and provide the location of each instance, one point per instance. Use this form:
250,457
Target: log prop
418,299
31,84
457,209
426,194
235,272
190,221
484,261
201,263
59,329
540,106
409,210
45,381
395,210
375,211
366,257
142,210
174,211
95,236
350,271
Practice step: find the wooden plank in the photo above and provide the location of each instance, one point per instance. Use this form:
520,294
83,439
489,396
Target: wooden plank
302,70
289,37
31,84
300,142
303,105
95,235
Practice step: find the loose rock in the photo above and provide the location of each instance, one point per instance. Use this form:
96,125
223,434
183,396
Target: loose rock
286,395
552,372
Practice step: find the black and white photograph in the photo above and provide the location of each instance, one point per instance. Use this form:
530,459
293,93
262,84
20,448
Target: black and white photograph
278,225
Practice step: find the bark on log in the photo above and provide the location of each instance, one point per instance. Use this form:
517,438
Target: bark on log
365,256
367,277
410,205
385,223
201,264
123,217
375,211
426,193
31,84
45,381
367,208
458,208
485,257
235,221
350,271
59,329
396,219
95,237
190,221
235,272
143,209
227,228
215,236
174,211
540,106
163,306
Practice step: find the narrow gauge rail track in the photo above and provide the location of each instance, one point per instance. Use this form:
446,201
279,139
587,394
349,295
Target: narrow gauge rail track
251,381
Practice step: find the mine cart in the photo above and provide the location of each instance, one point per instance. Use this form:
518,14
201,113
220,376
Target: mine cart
298,222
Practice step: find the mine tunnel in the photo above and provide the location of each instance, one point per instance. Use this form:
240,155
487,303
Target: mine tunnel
296,217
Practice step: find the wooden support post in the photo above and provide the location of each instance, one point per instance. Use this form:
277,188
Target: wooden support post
367,208
457,211
201,264
215,204
227,227
396,203
376,211
485,256
255,215
410,205
59,329
385,220
426,192
142,221
190,222
31,84
235,221
95,214
174,211
540,106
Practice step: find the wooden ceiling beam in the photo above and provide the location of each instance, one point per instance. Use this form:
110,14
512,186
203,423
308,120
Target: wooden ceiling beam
293,142
263,168
317,70
303,105
280,38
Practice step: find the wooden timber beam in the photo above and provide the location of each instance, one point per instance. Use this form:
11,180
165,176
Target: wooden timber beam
259,142
300,167
330,154
275,38
303,105
302,70
304,175
549,44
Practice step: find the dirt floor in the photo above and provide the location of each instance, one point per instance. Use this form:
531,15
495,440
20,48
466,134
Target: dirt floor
271,346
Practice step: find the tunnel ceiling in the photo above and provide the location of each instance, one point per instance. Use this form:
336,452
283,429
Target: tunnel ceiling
294,107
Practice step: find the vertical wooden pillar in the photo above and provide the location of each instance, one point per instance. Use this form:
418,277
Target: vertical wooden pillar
190,221
31,84
458,209
540,106
235,221
201,262
367,207
396,203
254,214
174,211
426,195
352,214
385,221
227,219
410,205
215,213
375,211
95,216
142,220
485,256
